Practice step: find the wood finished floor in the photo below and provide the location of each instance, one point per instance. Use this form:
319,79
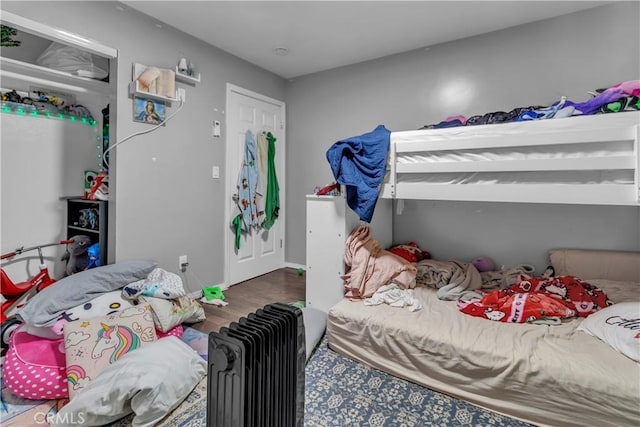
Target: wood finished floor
284,285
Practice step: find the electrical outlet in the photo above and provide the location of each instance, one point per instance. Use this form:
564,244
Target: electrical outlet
182,262
182,94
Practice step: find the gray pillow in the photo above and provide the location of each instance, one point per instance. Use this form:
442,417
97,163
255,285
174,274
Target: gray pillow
45,307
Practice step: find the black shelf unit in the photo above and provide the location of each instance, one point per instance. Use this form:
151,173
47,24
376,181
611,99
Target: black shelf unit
89,217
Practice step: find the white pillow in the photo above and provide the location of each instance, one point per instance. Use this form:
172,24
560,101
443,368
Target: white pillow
169,313
151,382
618,326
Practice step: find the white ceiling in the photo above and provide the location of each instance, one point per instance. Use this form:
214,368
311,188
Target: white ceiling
321,35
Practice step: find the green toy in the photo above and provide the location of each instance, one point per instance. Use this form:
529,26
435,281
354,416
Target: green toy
213,292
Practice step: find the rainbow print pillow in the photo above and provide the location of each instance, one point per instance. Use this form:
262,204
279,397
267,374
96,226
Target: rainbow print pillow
91,345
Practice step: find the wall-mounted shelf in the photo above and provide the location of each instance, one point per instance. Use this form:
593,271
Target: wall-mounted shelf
192,80
134,90
134,87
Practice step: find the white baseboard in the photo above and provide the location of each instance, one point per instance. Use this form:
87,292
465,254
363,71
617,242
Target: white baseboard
295,266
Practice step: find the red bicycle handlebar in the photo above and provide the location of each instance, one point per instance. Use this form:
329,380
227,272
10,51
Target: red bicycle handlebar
22,249
8,255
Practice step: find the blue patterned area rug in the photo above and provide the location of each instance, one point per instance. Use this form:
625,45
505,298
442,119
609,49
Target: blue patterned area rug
343,392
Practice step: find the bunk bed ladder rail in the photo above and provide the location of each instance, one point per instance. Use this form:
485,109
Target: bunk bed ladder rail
392,170
256,370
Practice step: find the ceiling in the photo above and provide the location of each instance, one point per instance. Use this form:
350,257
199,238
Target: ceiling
320,35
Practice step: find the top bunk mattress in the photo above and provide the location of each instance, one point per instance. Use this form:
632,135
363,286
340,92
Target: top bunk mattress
548,375
589,160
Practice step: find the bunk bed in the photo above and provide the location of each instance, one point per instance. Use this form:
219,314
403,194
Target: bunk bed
552,375
576,160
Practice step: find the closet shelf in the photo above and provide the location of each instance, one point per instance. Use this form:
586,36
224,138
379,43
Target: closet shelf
30,110
16,74
192,80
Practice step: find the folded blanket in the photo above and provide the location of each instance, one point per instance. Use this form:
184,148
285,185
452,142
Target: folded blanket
372,266
453,279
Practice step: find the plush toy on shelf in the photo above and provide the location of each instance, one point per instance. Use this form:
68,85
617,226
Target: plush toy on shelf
77,254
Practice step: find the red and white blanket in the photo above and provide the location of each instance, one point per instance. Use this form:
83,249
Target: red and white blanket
532,299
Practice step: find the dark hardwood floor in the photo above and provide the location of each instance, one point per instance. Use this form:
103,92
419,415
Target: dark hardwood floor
284,285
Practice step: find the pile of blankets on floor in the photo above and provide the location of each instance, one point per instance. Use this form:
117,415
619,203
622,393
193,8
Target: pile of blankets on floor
86,328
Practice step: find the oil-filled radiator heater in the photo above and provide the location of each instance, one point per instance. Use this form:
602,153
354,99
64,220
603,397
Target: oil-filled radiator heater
256,370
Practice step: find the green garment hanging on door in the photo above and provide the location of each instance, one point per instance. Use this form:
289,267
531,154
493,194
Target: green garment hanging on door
272,199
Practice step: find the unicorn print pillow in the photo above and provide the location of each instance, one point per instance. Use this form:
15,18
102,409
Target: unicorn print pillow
91,345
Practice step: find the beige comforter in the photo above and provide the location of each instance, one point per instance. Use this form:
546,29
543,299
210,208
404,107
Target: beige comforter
548,375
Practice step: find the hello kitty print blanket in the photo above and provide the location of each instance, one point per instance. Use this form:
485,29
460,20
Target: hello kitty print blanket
533,299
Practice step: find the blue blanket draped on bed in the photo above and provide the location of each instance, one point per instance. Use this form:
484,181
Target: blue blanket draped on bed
359,163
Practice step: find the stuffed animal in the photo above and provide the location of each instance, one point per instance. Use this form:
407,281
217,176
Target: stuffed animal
483,263
77,254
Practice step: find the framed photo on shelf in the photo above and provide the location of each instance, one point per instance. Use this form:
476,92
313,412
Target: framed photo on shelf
148,111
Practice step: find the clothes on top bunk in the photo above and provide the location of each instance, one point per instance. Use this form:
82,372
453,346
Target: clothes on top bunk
359,163
556,111
372,267
627,103
538,299
620,97
499,116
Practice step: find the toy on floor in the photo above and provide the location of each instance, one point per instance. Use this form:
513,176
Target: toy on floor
213,292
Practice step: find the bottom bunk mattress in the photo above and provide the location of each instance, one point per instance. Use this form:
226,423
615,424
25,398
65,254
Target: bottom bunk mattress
546,375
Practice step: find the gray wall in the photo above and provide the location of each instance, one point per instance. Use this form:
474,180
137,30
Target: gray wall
167,203
170,206
530,64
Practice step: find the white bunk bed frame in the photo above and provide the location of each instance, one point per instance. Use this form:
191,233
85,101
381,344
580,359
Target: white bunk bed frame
569,135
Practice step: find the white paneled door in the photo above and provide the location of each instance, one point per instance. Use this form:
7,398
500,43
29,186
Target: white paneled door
261,250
